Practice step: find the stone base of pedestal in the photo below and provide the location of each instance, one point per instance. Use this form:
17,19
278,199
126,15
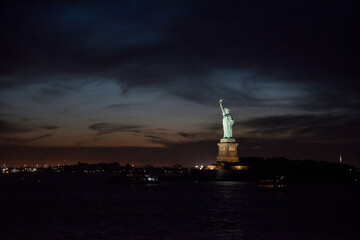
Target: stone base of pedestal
227,159
227,152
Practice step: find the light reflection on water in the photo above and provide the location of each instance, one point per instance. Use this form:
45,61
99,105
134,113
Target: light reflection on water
86,207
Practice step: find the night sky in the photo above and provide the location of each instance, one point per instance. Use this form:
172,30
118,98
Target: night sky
140,81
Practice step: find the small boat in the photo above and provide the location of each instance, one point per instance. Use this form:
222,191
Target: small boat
275,183
151,179
134,179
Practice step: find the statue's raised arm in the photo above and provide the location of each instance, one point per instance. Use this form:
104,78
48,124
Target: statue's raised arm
222,109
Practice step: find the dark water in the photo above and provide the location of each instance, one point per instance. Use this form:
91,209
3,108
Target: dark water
86,207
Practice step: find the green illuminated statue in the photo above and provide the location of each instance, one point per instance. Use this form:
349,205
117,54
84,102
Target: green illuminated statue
228,122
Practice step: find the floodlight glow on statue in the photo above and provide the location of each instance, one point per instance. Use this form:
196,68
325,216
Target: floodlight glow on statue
228,121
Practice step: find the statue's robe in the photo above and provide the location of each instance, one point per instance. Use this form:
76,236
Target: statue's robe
227,125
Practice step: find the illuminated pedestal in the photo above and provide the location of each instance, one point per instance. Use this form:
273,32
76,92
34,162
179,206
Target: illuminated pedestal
227,162
227,155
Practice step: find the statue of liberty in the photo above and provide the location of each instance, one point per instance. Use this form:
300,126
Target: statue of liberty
227,121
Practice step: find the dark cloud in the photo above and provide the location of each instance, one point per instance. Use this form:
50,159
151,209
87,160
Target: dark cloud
183,40
321,127
106,128
327,101
157,139
28,119
12,128
18,140
186,135
160,136
50,127
199,136
153,137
